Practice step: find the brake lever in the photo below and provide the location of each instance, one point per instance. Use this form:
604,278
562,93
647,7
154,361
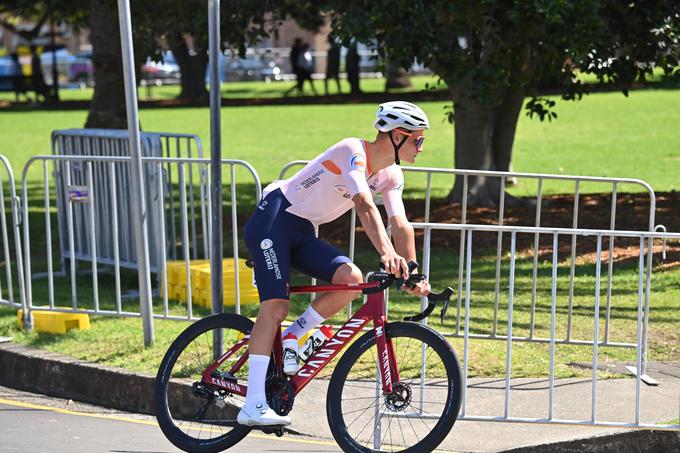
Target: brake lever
445,306
432,299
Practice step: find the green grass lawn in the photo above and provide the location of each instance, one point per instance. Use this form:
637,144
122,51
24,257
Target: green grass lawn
605,134
246,90
118,342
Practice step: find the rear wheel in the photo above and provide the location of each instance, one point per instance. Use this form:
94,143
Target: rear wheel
423,406
195,416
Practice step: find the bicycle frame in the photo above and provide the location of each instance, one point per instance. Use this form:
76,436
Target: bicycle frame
374,309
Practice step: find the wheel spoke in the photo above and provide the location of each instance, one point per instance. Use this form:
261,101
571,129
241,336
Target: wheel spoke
423,393
195,414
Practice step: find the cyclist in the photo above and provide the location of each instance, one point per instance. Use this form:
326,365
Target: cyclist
280,235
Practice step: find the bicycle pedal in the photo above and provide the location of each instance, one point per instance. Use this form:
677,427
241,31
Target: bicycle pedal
273,429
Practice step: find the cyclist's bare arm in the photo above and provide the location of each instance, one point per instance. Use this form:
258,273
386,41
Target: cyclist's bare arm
375,230
405,245
404,238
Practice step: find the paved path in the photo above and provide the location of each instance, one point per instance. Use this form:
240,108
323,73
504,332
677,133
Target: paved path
529,399
40,424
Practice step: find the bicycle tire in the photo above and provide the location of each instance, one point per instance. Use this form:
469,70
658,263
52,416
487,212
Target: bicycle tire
347,391
197,334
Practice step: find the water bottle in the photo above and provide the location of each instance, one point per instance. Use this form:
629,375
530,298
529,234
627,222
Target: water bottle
315,341
290,354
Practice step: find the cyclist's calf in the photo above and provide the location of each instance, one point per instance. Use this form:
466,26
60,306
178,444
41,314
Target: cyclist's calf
271,315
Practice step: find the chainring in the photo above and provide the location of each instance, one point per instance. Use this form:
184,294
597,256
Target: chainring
280,394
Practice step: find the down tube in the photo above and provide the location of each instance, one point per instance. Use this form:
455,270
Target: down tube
331,348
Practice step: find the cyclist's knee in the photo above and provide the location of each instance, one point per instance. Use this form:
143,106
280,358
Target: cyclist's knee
274,310
348,273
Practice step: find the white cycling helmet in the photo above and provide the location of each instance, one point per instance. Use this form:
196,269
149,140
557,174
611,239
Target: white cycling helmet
395,114
399,114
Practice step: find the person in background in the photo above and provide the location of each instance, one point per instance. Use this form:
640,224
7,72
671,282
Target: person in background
352,65
306,67
17,77
37,79
294,60
332,64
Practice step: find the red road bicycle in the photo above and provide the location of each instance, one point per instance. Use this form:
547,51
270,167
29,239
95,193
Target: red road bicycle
396,388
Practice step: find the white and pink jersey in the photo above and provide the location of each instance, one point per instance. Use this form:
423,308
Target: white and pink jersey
322,191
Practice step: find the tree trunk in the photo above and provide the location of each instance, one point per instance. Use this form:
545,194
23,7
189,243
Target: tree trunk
107,109
507,115
396,76
484,136
192,68
473,132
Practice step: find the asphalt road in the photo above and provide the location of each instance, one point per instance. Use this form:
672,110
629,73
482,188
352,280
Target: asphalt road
36,423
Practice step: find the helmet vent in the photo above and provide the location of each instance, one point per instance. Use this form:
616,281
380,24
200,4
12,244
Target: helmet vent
392,116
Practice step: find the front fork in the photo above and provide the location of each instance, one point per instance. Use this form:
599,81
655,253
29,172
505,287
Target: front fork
387,361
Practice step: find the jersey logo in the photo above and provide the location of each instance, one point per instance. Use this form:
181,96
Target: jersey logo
330,166
266,244
357,162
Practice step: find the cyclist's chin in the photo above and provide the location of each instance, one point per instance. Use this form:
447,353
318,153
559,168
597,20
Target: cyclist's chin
410,159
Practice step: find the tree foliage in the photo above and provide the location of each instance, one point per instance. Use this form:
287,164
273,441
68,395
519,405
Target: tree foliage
39,12
494,53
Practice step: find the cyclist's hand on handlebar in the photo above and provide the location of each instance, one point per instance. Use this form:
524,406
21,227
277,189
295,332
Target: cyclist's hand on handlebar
395,264
422,288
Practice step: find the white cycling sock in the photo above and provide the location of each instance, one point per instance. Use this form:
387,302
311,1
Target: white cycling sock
306,322
257,373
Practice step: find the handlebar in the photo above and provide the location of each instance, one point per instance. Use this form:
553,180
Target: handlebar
386,280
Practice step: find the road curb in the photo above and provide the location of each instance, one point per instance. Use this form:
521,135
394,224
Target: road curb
54,374
647,441
50,373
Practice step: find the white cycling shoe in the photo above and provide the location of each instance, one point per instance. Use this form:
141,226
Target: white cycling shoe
261,414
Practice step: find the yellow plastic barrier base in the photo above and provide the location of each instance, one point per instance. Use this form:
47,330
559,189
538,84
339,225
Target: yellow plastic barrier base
200,282
56,322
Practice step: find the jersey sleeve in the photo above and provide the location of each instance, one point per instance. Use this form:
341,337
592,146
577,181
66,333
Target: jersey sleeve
351,158
394,205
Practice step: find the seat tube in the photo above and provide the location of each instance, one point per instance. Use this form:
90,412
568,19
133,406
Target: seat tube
277,348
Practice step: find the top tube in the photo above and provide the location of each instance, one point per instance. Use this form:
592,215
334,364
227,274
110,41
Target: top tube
333,288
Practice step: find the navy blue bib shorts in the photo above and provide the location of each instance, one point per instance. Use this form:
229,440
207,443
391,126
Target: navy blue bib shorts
279,240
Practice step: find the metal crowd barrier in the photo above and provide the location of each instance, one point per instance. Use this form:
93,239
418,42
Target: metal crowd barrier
598,340
465,306
8,195
107,142
87,198
578,181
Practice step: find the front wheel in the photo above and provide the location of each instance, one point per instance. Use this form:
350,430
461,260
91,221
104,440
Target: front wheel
420,411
